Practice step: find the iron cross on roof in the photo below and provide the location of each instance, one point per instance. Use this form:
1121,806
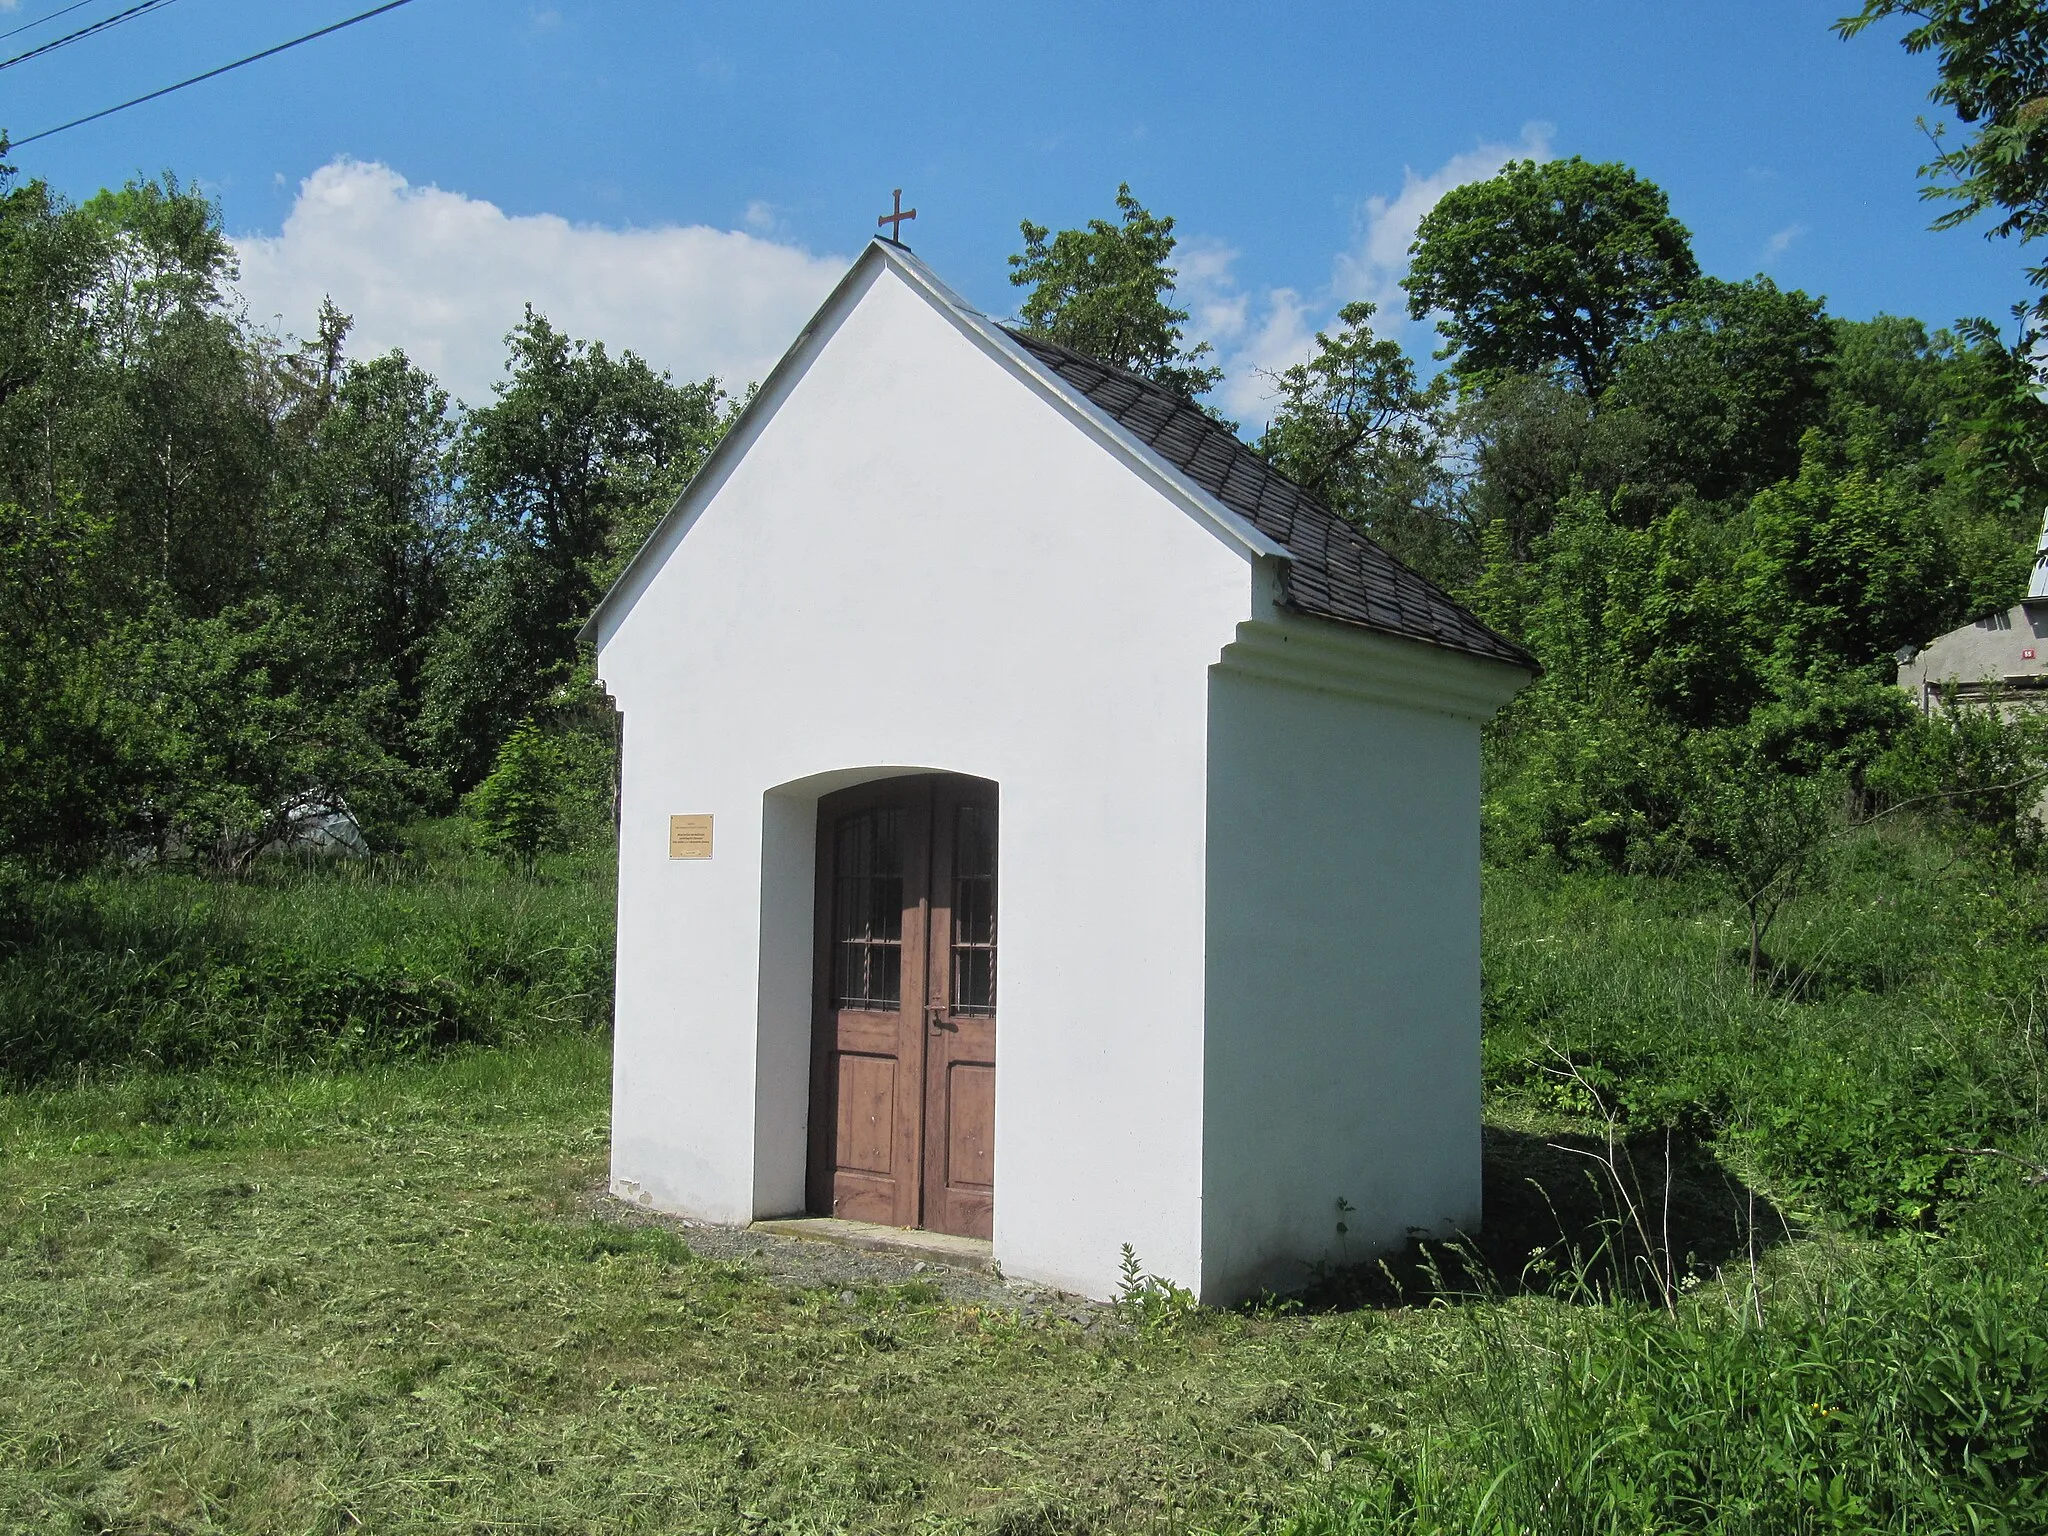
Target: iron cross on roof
895,217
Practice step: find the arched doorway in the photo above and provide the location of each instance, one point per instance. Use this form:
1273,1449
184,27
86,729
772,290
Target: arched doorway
903,1037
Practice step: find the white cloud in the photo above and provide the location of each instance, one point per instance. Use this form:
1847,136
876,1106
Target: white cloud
1378,259
1217,308
1252,335
446,276
1258,334
1781,242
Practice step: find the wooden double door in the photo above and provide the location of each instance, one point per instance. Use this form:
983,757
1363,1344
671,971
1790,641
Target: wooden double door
903,1060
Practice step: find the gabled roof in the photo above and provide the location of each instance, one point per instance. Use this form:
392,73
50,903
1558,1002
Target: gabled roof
1329,569
1333,571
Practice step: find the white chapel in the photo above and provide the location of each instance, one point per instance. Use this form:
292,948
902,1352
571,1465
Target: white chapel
1040,822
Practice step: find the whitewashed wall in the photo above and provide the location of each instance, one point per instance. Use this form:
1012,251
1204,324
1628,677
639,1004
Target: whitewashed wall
1980,654
1989,654
921,564
1342,1042
1238,865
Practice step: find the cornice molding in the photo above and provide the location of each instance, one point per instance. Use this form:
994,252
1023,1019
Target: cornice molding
1359,664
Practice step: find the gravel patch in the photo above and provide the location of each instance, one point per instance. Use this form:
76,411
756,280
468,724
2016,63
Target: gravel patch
797,1263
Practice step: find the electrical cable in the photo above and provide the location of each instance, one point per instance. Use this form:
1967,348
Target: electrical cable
115,20
93,117
30,26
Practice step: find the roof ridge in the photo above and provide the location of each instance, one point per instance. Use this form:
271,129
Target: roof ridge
1322,589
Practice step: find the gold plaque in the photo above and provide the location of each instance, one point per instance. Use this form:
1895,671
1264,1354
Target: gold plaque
689,837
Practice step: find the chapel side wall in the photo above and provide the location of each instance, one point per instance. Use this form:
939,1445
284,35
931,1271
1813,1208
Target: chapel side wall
1342,1049
919,564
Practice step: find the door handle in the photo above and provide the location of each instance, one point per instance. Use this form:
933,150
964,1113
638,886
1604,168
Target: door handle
935,1017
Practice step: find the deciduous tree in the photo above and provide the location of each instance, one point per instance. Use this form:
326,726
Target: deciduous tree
549,471
1354,429
1727,380
1105,290
1762,832
1842,569
1992,63
379,543
1548,266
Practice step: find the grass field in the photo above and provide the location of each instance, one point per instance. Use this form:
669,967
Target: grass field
372,1300
357,1278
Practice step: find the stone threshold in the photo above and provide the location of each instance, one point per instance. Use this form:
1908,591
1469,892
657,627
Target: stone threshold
939,1247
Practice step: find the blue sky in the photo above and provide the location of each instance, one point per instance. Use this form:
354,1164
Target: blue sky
751,145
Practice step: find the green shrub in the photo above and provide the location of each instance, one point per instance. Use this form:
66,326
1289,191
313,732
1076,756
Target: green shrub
517,809
1975,771
549,789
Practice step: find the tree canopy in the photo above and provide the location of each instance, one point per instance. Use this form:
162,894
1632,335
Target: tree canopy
551,473
1728,378
1548,265
1105,290
1992,59
241,575
1354,428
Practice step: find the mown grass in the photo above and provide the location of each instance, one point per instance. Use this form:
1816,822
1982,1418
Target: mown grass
376,1300
330,1286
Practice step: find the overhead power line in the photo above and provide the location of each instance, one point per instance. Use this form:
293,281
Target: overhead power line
114,20
93,117
30,26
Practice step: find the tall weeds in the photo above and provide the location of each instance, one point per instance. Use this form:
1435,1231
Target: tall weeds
299,965
1904,1396
1887,1083
1899,1034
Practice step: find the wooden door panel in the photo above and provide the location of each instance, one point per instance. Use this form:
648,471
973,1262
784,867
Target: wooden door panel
874,1133
903,1065
959,1192
867,1070
867,1114
971,1127
960,1048
869,1034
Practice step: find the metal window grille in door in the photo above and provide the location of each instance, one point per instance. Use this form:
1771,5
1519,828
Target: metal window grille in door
974,910
868,910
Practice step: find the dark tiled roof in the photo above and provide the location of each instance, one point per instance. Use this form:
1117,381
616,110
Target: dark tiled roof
1334,572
